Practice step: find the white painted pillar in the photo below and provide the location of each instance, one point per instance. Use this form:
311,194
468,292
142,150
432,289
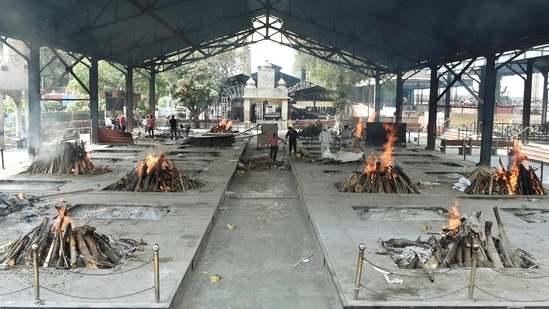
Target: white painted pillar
284,115
2,134
247,106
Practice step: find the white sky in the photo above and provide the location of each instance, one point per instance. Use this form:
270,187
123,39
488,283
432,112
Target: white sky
273,52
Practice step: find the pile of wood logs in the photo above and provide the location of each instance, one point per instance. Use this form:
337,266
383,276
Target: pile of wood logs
65,158
160,176
501,182
64,245
455,248
392,180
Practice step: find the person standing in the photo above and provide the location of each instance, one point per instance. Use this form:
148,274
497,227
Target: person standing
150,125
273,146
325,139
292,136
173,128
345,136
122,120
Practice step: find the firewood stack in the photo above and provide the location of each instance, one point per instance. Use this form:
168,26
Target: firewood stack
517,181
64,245
66,158
392,180
156,174
455,247
223,126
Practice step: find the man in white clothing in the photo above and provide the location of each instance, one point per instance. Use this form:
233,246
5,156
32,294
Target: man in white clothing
325,139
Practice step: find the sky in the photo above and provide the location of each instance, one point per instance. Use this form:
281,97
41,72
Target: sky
273,52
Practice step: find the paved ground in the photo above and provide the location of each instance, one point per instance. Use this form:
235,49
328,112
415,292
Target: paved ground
195,243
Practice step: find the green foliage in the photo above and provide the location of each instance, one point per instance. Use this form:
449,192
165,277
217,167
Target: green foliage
9,105
338,79
78,105
197,87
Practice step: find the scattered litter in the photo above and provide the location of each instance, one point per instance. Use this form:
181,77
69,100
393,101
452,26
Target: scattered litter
237,147
230,227
462,184
533,199
223,208
303,260
215,278
426,227
229,193
386,275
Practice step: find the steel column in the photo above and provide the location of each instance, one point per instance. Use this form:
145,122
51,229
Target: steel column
399,97
432,123
527,103
94,100
481,94
35,126
152,92
544,97
129,99
447,98
377,98
488,110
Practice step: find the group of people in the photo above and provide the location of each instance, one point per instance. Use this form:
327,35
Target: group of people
325,138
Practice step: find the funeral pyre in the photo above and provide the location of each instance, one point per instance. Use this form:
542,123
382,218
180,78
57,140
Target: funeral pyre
156,174
519,179
223,126
63,158
14,202
63,244
381,174
454,248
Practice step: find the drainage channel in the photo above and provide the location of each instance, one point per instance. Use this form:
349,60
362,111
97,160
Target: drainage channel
256,254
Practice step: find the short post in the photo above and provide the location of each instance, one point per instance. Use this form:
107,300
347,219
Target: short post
361,249
156,273
541,180
418,138
37,300
2,154
473,272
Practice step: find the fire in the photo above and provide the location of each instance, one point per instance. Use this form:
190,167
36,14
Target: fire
383,163
359,127
454,220
223,126
63,219
372,117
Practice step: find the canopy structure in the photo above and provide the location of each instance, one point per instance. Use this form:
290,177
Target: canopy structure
367,35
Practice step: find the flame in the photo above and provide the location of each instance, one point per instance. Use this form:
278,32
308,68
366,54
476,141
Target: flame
384,162
454,220
223,126
372,117
359,127
63,219
21,196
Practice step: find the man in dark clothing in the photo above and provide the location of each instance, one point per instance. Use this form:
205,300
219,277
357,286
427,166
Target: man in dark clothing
173,127
292,136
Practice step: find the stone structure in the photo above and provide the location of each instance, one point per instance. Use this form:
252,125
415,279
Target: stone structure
267,91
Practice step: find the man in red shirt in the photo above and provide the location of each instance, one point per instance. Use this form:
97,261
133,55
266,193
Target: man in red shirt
273,146
122,123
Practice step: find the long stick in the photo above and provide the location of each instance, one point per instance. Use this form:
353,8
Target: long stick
504,242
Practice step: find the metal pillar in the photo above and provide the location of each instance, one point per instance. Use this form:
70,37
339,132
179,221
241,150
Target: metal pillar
152,93
481,94
527,107
447,98
94,100
399,97
35,126
432,123
377,98
544,97
488,110
2,134
129,99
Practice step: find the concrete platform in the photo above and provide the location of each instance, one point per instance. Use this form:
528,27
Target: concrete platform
334,217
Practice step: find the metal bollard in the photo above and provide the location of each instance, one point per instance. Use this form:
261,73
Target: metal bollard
37,300
156,273
473,272
2,154
361,249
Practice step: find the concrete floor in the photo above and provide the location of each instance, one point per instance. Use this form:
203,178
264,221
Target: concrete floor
194,241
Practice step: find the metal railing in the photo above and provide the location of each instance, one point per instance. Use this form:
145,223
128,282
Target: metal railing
467,130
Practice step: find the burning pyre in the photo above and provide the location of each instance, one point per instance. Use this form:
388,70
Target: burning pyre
223,126
155,174
65,245
381,174
455,246
520,179
65,158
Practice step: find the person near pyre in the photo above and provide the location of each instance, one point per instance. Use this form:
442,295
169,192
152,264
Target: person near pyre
173,127
273,146
292,136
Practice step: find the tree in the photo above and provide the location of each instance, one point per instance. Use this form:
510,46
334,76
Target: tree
338,79
196,87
